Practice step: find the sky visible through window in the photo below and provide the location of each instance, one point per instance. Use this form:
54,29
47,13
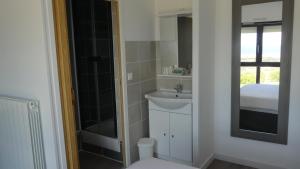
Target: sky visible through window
271,52
248,44
271,44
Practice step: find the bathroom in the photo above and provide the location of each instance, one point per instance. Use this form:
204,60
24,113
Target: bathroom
150,84
163,64
161,83
148,37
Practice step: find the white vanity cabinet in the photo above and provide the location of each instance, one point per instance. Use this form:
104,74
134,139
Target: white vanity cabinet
172,131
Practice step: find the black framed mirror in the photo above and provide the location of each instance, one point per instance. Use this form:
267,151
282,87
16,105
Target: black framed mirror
261,68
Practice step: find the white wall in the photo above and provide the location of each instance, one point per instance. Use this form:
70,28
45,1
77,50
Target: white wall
163,6
138,20
205,63
237,149
24,69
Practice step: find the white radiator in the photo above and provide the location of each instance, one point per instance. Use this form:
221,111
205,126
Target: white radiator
21,143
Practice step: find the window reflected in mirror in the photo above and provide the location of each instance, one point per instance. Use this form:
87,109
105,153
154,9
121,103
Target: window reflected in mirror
248,44
260,70
262,32
271,43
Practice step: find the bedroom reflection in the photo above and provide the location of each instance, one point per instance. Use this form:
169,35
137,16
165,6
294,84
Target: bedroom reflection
260,69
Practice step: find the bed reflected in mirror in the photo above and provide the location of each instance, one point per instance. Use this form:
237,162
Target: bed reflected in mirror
261,64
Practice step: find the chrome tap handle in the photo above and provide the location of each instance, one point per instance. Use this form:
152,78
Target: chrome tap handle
179,88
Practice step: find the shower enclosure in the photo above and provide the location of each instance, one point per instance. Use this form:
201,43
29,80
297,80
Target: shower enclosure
92,51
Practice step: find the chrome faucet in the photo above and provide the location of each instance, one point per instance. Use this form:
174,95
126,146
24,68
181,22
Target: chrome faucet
179,88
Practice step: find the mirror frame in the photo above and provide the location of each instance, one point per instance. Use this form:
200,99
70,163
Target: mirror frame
285,73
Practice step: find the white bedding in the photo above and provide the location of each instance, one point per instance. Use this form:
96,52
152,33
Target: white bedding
154,163
260,97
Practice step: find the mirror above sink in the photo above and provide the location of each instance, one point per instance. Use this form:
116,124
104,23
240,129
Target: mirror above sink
174,50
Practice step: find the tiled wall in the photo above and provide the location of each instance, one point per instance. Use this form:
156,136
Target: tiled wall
140,61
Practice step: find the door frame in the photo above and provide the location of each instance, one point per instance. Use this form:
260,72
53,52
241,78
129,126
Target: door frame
118,59
65,80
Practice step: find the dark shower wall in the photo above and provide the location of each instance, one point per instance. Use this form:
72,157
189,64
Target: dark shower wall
92,23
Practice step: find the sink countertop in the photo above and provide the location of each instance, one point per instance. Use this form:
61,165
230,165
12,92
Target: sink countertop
170,97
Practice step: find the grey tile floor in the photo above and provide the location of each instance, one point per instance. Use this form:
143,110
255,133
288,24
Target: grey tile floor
91,161
218,164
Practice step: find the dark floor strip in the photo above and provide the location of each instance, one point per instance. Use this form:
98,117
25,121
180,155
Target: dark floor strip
218,164
93,161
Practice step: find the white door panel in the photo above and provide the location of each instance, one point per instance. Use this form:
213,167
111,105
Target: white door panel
181,136
159,130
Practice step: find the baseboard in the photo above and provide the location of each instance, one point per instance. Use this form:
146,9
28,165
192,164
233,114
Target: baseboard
245,162
207,162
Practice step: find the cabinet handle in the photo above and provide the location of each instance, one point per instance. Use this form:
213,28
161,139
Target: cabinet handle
165,134
172,136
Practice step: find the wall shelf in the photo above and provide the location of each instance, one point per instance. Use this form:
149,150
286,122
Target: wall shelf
174,76
182,11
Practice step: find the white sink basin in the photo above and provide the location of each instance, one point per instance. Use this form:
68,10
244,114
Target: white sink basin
169,100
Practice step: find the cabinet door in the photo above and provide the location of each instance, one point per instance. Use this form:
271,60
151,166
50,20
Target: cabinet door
181,137
159,130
